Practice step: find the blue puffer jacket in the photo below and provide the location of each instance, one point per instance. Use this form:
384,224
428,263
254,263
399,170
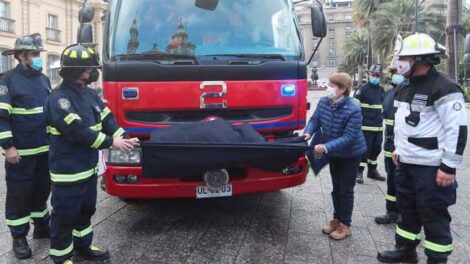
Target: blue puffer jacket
340,126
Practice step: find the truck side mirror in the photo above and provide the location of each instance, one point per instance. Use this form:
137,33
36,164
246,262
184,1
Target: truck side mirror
207,4
86,14
85,34
318,22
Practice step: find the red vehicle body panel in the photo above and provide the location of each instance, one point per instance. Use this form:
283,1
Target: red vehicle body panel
185,96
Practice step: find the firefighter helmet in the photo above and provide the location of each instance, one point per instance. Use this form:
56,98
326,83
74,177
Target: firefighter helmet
26,43
419,44
376,69
79,56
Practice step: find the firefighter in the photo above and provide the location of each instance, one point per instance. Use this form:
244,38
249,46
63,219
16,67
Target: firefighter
23,137
371,96
389,119
79,125
430,138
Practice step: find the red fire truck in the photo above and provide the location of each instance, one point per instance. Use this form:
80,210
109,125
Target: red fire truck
172,62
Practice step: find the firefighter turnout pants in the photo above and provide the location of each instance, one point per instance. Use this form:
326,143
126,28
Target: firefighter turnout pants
73,205
28,188
422,203
390,197
374,141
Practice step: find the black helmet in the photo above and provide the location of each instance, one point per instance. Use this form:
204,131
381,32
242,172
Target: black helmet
27,43
79,56
376,69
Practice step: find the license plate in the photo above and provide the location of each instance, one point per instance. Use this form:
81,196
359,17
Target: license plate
205,192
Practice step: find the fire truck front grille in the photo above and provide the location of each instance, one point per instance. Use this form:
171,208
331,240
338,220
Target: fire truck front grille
233,115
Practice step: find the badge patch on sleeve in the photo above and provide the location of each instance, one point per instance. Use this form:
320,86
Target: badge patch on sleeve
457,106
3,90
64,103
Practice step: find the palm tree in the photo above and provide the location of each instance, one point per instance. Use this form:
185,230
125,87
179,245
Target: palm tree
363,17
356,52
399,16
364,12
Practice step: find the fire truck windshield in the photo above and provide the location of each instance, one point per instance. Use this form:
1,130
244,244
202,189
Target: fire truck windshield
257,27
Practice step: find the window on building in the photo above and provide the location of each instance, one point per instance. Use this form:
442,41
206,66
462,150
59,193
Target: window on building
350,29
6,62
331,31
331,52
52,30
331,42
332,63
53,21
6,23
342,5
348,16
52,70
4,9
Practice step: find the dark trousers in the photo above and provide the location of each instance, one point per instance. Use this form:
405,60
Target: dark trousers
73,206
28,188
374,147
343,176
421,202
390,197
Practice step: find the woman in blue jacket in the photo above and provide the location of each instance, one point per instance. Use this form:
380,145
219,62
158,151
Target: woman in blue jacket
339,118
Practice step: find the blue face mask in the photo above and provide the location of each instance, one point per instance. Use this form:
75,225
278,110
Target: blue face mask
37,64
397,79
374,80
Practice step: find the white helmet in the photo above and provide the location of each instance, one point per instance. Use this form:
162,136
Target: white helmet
418,44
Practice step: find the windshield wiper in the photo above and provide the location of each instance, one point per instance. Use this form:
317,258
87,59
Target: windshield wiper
174,58
249,55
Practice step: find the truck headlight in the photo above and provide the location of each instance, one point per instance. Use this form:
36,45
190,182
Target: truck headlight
116,156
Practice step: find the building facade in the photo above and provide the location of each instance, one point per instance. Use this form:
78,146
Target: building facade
55,20
338,14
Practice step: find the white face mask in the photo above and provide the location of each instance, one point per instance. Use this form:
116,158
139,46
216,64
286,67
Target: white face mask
331,91
403,67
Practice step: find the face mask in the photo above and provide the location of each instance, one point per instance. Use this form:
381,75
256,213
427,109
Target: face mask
331,92
397,79
94,75
374,80
36,64
403,67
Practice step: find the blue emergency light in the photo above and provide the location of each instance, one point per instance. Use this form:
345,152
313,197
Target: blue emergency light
288,89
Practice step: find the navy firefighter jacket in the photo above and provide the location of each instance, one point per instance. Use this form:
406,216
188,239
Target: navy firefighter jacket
79,126
22,123
371,98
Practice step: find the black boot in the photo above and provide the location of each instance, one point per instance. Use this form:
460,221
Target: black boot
399,254
433,261
21,248
374,174
388,218
41,231
360,177
91,254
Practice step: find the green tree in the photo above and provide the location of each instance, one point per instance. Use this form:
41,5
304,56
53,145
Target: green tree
356,53
399,16
364,14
